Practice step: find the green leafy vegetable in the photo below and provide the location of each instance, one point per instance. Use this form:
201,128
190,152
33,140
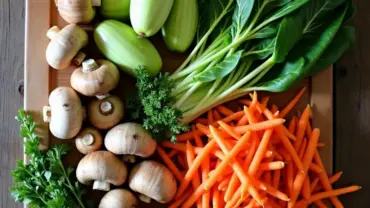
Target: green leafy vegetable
43,181
280,42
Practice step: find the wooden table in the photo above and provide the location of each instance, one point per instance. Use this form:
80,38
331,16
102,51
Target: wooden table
352,103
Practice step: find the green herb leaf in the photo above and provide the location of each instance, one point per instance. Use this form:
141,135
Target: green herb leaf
287,9
220,70
267,32
241,14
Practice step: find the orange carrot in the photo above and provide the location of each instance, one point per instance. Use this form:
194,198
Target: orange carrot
308,130
182,162
251,151
292,103
315,168
314,184
179,201
229,130
167,160
243,121
190,159
274,109
276,165
320,204
232,187
205,170
331,193
307,160
249,114
216,115
303,148
222,186
285,154
210,117
292,125
267,178
276,178
290,172
194,167
216,198
185,136
263,125
173,153
306,190
335,177
194,197
202,121
176,146
225,173
260,152
224,110
301,126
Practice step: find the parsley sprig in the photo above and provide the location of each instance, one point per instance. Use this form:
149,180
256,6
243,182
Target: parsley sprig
43,181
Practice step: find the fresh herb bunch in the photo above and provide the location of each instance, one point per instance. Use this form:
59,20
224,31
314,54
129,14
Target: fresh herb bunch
249,45
43,181
152,106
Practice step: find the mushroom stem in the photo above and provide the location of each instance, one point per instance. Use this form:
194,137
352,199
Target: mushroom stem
89,65
96,3
46,113
106,108
101,185
144,198
78,59
52,32
88,139
102,96
129,158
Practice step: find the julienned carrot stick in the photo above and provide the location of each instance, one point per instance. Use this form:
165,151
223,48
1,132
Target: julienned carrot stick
216,198
182,162
176,172
334,178
232,187
274,109
194,167
229,155
260,152
334,192
249,113
276,165
267,177
320,204
292,125
251,151
292,103
307,160
173,153
202,121
222,186
216,115
314,184
205,171
306,190
315,168
224,110
210,117
325,181
179,201
303,149
229,130
194,197
204,129
263,125
301,127
176,146
276,178
186,136
190,155
284,154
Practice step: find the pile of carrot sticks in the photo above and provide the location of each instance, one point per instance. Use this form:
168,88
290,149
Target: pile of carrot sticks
250,158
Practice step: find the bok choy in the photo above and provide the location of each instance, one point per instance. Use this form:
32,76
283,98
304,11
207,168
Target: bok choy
242,46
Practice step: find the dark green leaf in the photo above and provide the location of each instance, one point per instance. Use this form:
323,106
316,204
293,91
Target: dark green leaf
287,9
290,32
242,12
341,42
268,31
262,49
220,70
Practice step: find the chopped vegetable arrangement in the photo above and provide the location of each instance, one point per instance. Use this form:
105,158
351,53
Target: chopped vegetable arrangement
250,156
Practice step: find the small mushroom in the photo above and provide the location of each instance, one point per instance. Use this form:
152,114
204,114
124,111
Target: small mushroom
77,11
130,139
95,77
105,113
102,167
65,113
152,181
119,198
89,140
65,45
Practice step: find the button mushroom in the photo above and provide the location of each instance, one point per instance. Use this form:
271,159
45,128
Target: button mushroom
88,140
77,11
102,167
95,77
130,139
153,181
119,198
105,113
65,113
65,45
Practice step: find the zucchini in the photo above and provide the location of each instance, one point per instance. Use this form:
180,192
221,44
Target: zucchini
148,16
118,42
115,9
181,26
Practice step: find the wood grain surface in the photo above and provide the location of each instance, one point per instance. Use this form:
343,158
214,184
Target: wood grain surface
352,103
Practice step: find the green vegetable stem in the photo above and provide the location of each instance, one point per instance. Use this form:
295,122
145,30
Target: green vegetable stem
43,181
242,46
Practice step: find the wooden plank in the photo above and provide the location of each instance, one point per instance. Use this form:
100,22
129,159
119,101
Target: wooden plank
36,73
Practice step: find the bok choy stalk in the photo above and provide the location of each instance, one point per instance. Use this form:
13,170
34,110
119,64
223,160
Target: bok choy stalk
242,46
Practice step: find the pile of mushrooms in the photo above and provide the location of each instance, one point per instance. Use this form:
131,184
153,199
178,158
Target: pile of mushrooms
69,119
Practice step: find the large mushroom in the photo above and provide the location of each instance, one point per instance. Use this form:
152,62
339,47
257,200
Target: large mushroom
95,78
77,11
88,140
130,139
119,198
64,47
102,168
105,113
64,113
152,181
